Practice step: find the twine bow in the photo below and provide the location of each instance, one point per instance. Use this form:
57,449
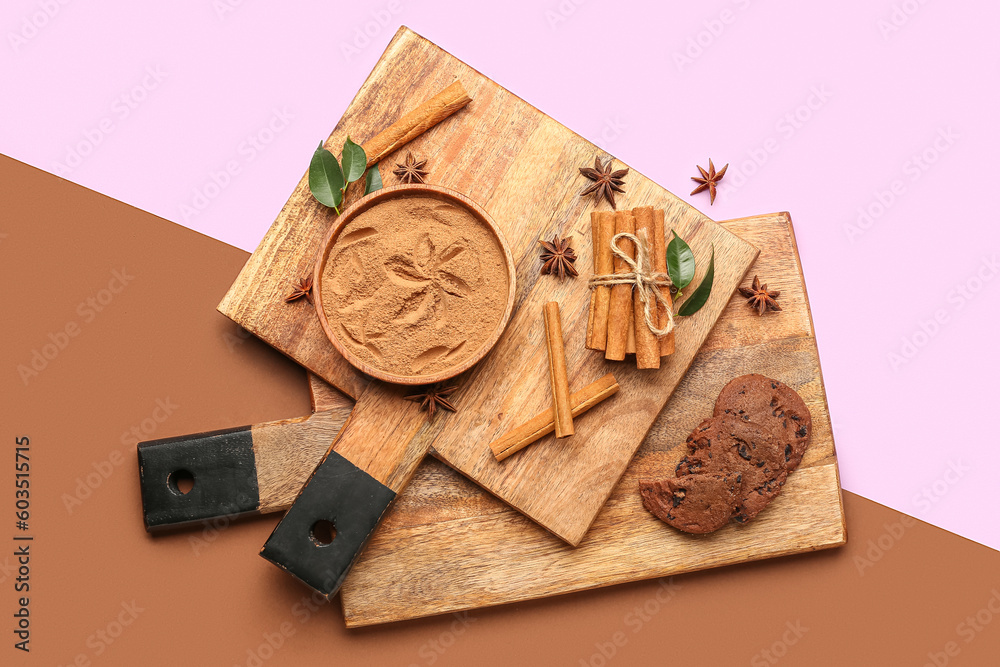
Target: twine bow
642,278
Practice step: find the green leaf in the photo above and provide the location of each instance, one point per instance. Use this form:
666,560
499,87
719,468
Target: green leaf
354,161
373,180
680,262
700,295
326,180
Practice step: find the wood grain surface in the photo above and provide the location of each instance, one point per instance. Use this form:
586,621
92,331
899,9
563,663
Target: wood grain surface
325,396
523,168
286,451
382,435
448,546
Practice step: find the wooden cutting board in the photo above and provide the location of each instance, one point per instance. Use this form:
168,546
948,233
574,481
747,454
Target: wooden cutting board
523,168
448,546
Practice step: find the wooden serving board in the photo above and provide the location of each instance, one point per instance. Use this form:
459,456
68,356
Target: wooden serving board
448,546
523,168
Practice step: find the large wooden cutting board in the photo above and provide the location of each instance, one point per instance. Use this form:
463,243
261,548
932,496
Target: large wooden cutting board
448,546
523,168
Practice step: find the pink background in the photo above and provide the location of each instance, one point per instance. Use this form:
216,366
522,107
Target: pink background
824,110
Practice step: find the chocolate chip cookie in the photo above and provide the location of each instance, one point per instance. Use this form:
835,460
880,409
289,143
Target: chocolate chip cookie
728,445
737,461
755,398
695,504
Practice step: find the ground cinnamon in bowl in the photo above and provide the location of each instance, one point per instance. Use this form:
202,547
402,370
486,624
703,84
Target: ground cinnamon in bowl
415,286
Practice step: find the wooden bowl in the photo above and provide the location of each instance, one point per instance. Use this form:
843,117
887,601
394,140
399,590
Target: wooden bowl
373,200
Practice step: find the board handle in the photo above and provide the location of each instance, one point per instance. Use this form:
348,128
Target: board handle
328,525
196,477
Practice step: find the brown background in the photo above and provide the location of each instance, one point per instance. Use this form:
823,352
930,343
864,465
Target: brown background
898,593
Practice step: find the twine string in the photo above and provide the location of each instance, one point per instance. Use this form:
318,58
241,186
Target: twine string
641,277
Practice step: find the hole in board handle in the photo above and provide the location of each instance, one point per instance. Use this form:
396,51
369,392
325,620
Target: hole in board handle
322,533
180,481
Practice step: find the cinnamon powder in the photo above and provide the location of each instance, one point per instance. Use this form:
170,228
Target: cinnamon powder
415,286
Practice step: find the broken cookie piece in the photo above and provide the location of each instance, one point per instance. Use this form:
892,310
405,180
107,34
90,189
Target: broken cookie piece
695,504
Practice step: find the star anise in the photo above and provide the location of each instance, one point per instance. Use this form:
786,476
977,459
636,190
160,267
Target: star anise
434,397
606,182
412,170
708,181
760,297
302,289
558,257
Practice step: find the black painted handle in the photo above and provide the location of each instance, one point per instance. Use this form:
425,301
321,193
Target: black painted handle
341,497
220,467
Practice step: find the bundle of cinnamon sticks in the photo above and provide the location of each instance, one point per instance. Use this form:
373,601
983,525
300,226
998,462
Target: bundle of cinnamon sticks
617,324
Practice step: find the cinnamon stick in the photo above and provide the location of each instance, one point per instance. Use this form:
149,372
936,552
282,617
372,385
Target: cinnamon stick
647,345
590,324
620,308
660,266
594,234
544,423
603,265
416,122
557,371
